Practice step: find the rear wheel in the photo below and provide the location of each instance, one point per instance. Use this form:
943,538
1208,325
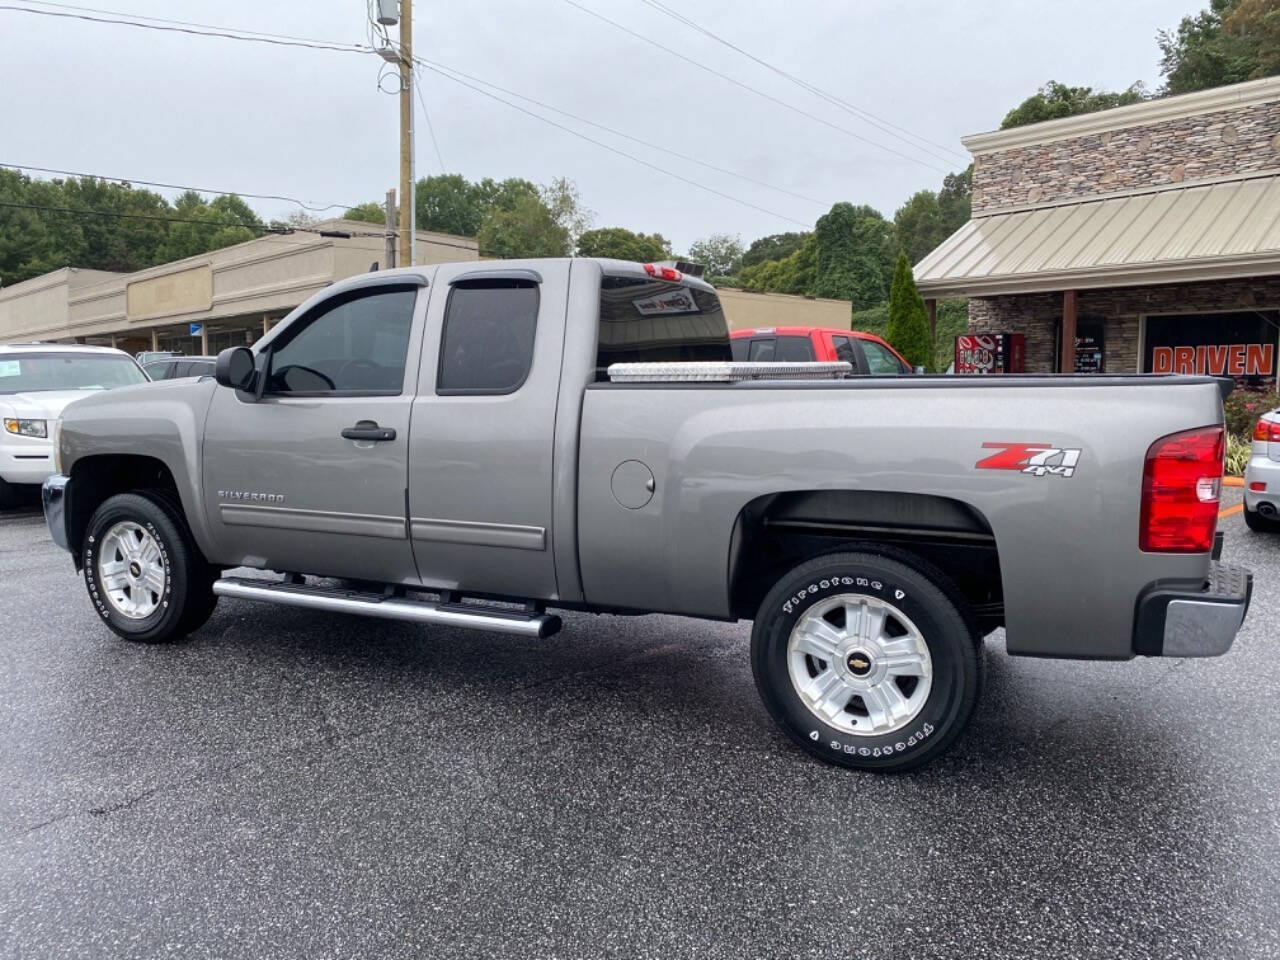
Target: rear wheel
144,574
865,662
1260,524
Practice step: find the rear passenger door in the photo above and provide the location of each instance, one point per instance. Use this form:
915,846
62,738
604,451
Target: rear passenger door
483,423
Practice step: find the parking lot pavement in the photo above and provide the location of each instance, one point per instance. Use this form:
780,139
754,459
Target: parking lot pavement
288,784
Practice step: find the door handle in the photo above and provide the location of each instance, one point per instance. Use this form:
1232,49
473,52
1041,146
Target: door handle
368,430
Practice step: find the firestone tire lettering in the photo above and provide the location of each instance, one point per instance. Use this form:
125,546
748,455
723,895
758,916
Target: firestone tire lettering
952,646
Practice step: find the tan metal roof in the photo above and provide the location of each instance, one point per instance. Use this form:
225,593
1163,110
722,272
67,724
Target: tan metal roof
1174,234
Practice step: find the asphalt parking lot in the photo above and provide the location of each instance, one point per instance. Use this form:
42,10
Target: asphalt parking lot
288,784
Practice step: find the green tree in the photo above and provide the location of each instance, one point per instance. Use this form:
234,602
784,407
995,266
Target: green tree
449,203
776,246
908,327
562,198
623,244
928,218
796,273
1229,42
720,253
919,224
526,230
1055,100
224,221
955,200
837,253
370,212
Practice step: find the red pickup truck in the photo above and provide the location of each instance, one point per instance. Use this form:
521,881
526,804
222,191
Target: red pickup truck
868,353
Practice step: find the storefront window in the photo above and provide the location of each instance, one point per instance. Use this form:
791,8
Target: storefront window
1240,345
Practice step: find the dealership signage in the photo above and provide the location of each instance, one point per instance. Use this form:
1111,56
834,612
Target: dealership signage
1241,345
678,300
1223,359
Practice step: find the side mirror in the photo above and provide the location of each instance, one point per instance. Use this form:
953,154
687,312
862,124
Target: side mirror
235,368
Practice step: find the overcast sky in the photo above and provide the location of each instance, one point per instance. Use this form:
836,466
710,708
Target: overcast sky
228,115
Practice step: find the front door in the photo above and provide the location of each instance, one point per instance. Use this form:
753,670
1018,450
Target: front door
480,458
312,478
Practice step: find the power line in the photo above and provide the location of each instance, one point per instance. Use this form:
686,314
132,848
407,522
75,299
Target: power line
430,128
198,30
80,211
612,149
276,234
626,136
178,186
181,23
887,126
205,30
760,93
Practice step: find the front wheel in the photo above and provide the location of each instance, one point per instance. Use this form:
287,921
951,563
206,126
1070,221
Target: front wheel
144,574
865,662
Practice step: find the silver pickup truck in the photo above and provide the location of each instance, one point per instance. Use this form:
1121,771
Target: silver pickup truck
473,444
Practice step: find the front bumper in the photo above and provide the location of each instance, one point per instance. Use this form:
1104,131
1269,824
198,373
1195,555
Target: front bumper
1262,470
1176,619
25,459
53,492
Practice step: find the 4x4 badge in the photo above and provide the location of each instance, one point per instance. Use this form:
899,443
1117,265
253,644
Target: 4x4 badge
1037,459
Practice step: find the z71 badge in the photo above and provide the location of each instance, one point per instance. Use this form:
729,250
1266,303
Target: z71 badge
1037,459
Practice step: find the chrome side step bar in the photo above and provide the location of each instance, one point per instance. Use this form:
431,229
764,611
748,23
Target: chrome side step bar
475,617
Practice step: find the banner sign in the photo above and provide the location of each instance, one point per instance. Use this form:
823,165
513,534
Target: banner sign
1219,360
1240,345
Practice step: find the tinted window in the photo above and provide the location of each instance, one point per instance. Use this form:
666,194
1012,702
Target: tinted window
762,350
159,370
844,350
487,344
200,368
655,321
794,350
32,372
739,346
880,360
353,344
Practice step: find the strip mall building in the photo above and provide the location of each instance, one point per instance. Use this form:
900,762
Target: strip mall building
1140,239
232,296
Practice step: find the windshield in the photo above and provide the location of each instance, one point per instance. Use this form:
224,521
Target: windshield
32,372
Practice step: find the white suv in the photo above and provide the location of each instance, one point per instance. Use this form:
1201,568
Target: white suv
1262,476
37,380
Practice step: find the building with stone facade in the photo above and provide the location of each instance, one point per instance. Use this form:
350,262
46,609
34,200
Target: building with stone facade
1140,239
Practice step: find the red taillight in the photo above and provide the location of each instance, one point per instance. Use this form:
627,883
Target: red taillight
1258,486
666,273
1268,431
1181,483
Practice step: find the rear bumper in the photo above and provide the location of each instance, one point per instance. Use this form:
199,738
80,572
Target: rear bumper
1262,470
1193,620
53,493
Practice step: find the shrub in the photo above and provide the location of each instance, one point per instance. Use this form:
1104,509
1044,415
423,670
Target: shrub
1237,458
1243,408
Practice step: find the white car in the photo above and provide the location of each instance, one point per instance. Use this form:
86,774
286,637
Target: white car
37,380
1262,476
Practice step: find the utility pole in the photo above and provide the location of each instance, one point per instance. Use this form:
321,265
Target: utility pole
407,234
391,229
